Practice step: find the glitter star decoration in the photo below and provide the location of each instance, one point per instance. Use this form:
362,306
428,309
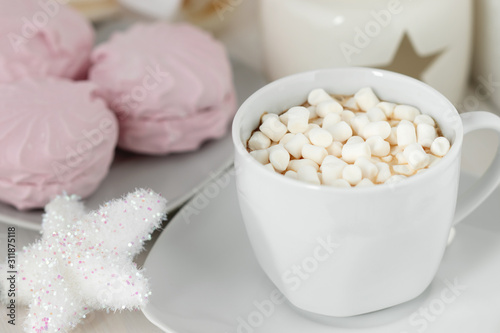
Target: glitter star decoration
83,262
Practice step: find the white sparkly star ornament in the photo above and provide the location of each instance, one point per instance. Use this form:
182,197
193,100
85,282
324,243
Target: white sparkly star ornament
83,262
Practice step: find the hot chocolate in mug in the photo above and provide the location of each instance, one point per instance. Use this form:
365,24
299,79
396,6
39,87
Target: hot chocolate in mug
349,251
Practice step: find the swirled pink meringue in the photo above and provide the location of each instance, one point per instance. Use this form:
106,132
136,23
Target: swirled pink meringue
43,38
56,135
170,85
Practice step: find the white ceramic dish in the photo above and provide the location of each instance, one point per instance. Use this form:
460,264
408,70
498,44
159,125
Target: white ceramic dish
205,278
176,176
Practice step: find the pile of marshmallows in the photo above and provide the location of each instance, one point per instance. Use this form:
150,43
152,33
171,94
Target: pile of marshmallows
353,141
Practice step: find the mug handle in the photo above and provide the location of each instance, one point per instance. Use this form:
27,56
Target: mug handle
473,197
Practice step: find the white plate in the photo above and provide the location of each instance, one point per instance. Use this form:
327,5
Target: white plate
176,176
205,279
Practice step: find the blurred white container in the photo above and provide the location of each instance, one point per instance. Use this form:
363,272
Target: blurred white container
429,40
210,15
487,50
160,9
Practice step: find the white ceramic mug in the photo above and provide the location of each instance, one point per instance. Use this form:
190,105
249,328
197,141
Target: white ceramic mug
348,251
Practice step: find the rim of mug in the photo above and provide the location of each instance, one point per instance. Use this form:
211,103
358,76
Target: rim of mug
440,167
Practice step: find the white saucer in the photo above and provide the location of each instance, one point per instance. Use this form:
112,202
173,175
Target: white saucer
176,176
205,279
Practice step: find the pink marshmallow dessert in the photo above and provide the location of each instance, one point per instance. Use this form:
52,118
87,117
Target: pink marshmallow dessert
43,38
169,84
57,136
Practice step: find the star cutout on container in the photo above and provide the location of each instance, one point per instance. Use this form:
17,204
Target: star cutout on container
407,60
83,262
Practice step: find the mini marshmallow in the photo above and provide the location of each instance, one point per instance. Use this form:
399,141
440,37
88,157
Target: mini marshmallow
314,153
351,104
426,134
351,152
279,157
413,148
259,140
365,183
377,128
406,134
378,146
266,116
393,137
418,159
325,108
295,165
395,179
384,172
347,115
312,112
394,122
295,145
308,174
332,160
359,122
401,158
335,149
270,167
368,169
352,174
309,128
273,128
395,150
366,99
440,146
403,170
320,137
386,159
331,119
405,112
261,155
354,139
340,131
318,121
285,139
291,174
387,107
298,119
424,119
317,96
284,118
340,183
376,114
331,172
